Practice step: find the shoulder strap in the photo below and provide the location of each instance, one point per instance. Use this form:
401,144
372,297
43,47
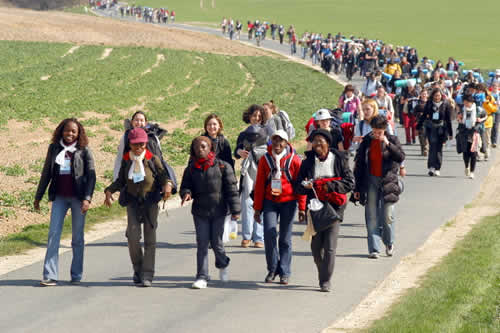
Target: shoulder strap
286,169
361,125
152,166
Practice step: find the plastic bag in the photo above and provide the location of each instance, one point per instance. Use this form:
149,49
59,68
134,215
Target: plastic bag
233,229
225,235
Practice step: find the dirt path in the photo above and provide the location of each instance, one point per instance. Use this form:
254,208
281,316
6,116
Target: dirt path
52,26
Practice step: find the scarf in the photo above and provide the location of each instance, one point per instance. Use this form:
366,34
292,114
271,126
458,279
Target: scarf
71,148
137,165
470,115
277,159
435,106
205,163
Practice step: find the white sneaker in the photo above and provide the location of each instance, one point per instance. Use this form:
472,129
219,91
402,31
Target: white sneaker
432,171
471,176
467,172
373,255
199,284
389,250
437,173
224,274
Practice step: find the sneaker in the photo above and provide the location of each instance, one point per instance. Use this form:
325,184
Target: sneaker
467,172
284,280
471,176
324,289
373,255
437,173
270,277
48,282
493,145
147,283
389,250
199,284
224,274
258,245
431,172
245,243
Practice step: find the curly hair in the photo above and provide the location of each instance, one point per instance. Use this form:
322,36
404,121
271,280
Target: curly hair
83,140
247,114
216,117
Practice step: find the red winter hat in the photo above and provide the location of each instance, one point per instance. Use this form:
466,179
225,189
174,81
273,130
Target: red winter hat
137,135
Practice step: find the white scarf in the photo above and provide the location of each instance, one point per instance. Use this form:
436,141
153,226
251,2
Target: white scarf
472,116
60,157
277,159
137,165
436,105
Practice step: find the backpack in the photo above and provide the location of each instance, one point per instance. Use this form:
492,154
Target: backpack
272,166
286,124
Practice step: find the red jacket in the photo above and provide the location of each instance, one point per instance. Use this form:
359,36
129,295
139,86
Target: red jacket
263,191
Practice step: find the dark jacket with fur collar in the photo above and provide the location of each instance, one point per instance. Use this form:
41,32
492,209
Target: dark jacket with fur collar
393,156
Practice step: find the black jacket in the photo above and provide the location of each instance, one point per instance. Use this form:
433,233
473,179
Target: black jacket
340,169
393,156
82,172
442,125
213,191
222,149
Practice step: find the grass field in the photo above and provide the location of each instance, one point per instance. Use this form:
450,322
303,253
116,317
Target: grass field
464,29
173,86
462,294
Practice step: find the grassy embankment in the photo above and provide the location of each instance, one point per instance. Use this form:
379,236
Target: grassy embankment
462,294
178,93
458,28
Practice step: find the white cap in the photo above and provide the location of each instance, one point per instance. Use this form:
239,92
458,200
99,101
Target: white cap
497,72
322,114
281,133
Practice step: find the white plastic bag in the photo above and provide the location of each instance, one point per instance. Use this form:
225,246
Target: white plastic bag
225,235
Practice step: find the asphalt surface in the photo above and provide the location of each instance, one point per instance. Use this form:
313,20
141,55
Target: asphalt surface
107,301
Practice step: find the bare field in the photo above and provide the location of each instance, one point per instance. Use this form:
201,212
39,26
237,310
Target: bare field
27,25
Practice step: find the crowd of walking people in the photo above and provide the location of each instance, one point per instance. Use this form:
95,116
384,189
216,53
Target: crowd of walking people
276,183
148,14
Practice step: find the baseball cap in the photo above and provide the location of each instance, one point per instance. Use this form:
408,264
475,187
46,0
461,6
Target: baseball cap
322,114
281,133
137,135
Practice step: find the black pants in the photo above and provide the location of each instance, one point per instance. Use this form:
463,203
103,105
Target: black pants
324,248
435,154
470,157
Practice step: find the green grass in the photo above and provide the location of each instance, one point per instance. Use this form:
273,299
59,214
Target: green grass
462,294
36,235
79,82
460,28
14,170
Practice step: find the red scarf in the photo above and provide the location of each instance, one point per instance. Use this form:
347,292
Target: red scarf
205,163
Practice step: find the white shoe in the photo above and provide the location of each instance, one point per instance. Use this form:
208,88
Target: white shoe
471,176
224,274
467,172
199,284
431,171
373,255
437,173
389,250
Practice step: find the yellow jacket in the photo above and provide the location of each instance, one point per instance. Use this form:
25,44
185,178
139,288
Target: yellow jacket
392,68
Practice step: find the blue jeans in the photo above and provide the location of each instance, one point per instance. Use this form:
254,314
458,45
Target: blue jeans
250,229
379,216
209,230
279,261
51,264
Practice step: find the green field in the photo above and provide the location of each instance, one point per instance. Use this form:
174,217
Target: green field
462,294
185,86
463,29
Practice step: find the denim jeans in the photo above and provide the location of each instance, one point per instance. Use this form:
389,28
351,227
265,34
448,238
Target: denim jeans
279,260
379,216
494,129
51,264
250,229
209,230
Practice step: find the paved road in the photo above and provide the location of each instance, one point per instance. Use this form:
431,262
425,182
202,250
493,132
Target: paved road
108,302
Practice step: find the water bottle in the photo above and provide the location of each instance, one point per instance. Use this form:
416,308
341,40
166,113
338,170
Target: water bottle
233,229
